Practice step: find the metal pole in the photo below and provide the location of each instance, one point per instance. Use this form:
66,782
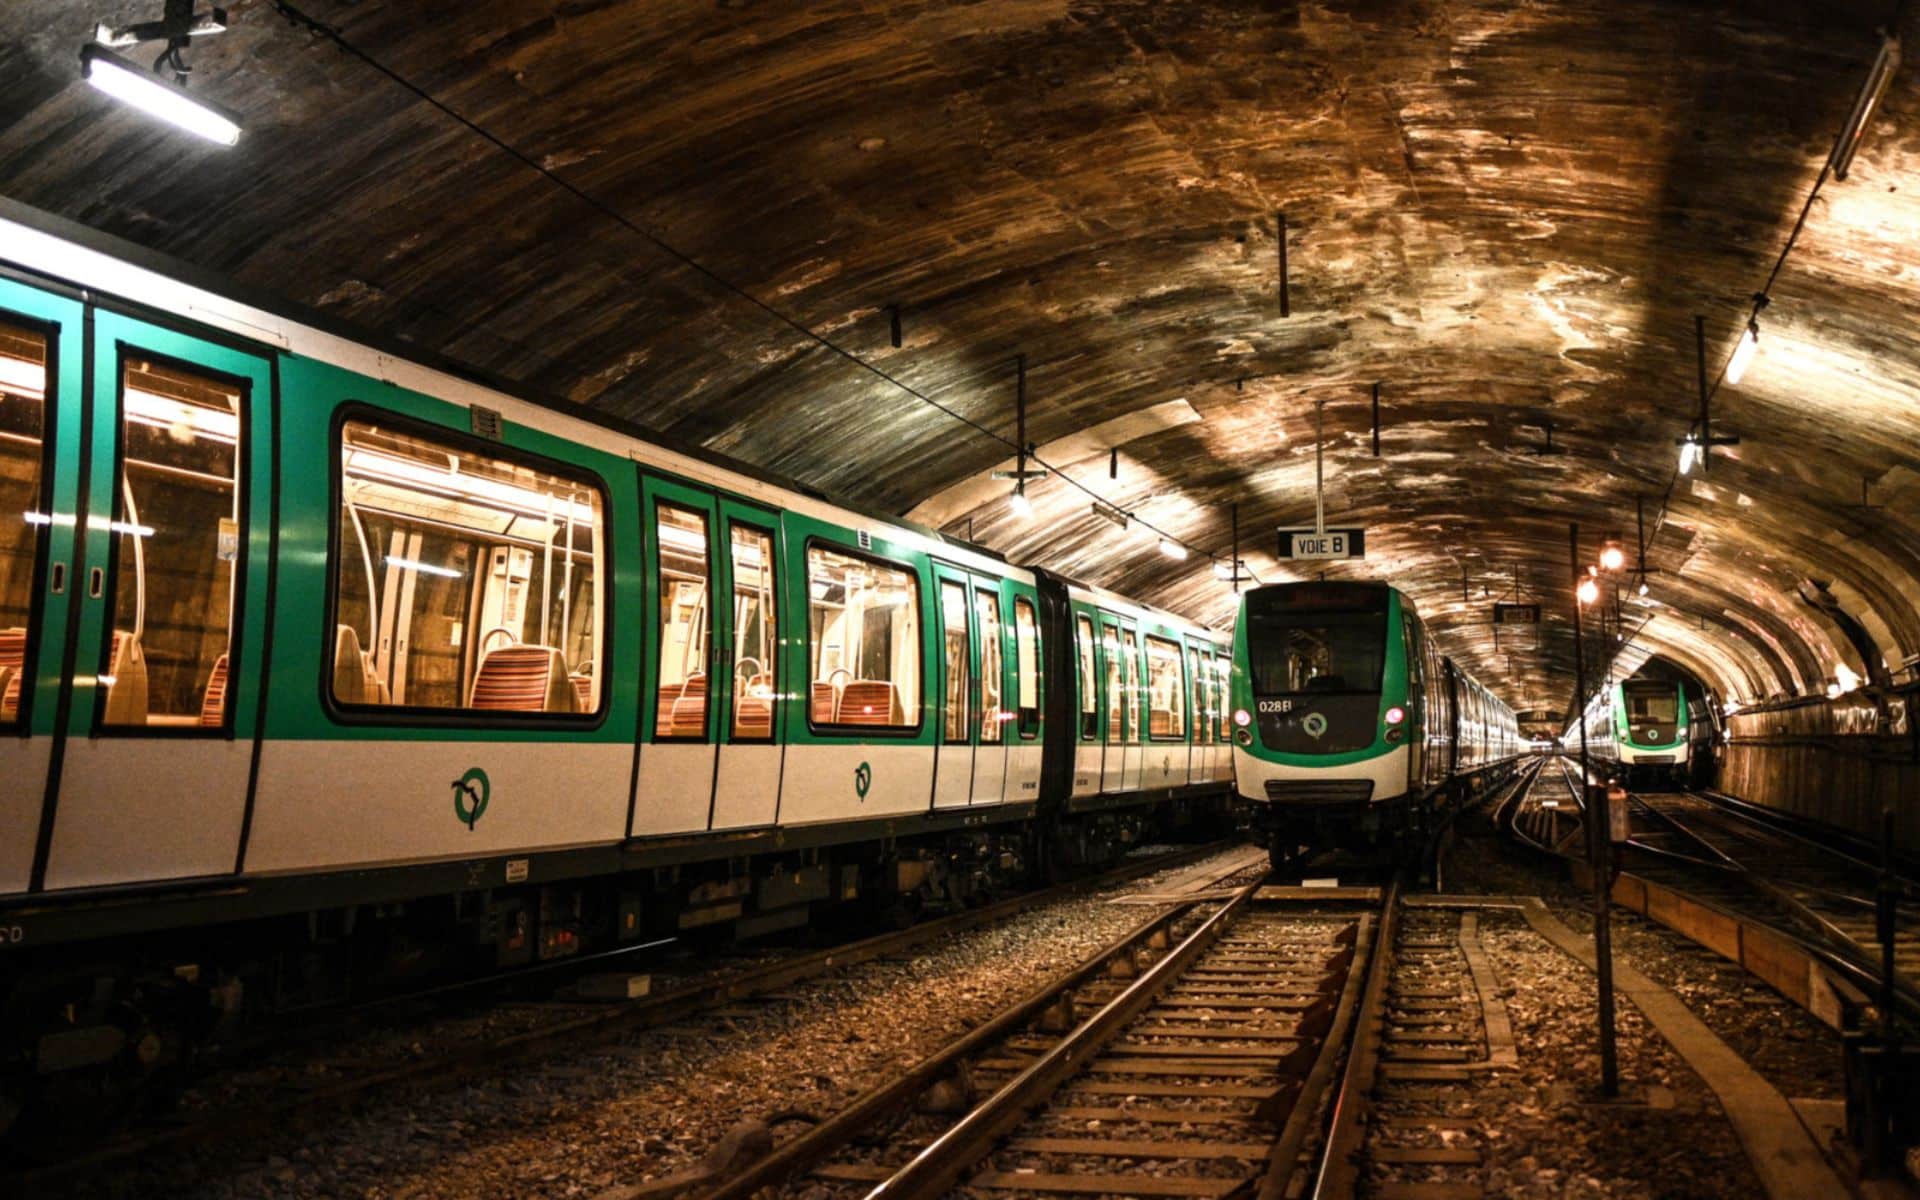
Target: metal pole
1376,420
1020,422
1319,485
1706,422
1235,508
1597,845
1280,236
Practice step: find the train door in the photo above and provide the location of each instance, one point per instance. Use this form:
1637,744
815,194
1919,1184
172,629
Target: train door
746,781
172,612
680,529
958,691
1087,706
41,400
1136,698
1119,724
996,699
1200,762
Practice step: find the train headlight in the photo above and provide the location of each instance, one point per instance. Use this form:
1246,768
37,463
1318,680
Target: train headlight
1396,714
1243,737
1242,717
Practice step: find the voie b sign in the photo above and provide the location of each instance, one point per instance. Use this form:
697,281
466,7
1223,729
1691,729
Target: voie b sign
1329,543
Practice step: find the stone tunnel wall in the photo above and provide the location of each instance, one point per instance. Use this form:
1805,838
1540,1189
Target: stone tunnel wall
1840,761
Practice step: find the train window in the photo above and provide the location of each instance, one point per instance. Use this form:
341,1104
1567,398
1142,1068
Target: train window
685,623
1116,689
755,633
1223,672
176,509
863,626
1202,696
1089,682
1295,650
1166,691
953,623
1657,703
1130,650
23,516
993,720
1026,651
464,581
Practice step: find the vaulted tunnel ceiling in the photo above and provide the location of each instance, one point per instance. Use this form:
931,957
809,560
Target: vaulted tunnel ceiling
1506,214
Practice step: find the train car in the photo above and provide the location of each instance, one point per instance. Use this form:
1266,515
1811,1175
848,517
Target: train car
1652,730
1350,728
326,666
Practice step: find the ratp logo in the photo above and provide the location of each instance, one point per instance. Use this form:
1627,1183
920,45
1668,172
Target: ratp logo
862,780
470,795
1315,726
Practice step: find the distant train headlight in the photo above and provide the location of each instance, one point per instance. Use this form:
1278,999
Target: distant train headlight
1242,717
1396,714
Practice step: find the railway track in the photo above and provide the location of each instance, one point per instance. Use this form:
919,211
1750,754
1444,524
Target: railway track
1194,1058
582,1024
1793,881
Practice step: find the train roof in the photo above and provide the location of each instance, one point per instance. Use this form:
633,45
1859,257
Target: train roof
58,252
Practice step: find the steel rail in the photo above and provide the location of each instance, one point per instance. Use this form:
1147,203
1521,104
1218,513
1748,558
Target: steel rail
813,1147
939,1167
264,1119
1335,1172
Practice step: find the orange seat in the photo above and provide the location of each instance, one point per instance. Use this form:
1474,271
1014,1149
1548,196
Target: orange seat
13,664
753,708
582,692
213,702
1160,722
521,679
690,709
824,697
869,702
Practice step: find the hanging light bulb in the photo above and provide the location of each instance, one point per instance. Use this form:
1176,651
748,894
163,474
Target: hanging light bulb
1021,506
1222,571
1744,352
1643,587
1589,591
1612,557
1173,550
1689,453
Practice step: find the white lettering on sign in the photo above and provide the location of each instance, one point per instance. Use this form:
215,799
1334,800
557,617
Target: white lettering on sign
1318,545
1276,706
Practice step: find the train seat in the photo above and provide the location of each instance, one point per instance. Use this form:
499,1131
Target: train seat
13,667
582,684
753,708
524,678
354,680
1160,722
690,709
869,702
826,698
126,680
213,701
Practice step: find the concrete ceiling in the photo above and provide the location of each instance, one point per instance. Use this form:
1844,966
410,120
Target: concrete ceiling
1505,213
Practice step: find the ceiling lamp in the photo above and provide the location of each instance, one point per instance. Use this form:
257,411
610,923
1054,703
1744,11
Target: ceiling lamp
1018,502
1689,453
1589,591
1864,106
1744,352
1173,550
1612,557
151,91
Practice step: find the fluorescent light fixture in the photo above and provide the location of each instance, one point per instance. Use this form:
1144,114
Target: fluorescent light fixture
1223,572
1103,509
1864,106
1643,587
1744,352
424,568
164,412
40,518
1689,453
1173,550
1021,506
1589,591
157,96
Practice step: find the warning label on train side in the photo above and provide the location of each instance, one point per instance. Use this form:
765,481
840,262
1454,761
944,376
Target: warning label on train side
1331,543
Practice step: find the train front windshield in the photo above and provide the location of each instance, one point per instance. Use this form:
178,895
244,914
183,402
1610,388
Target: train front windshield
1304,644
1658,704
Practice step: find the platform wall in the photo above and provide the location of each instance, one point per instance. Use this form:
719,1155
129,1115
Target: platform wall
1840,761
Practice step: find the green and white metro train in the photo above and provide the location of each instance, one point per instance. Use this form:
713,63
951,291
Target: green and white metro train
1350,727
322,665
